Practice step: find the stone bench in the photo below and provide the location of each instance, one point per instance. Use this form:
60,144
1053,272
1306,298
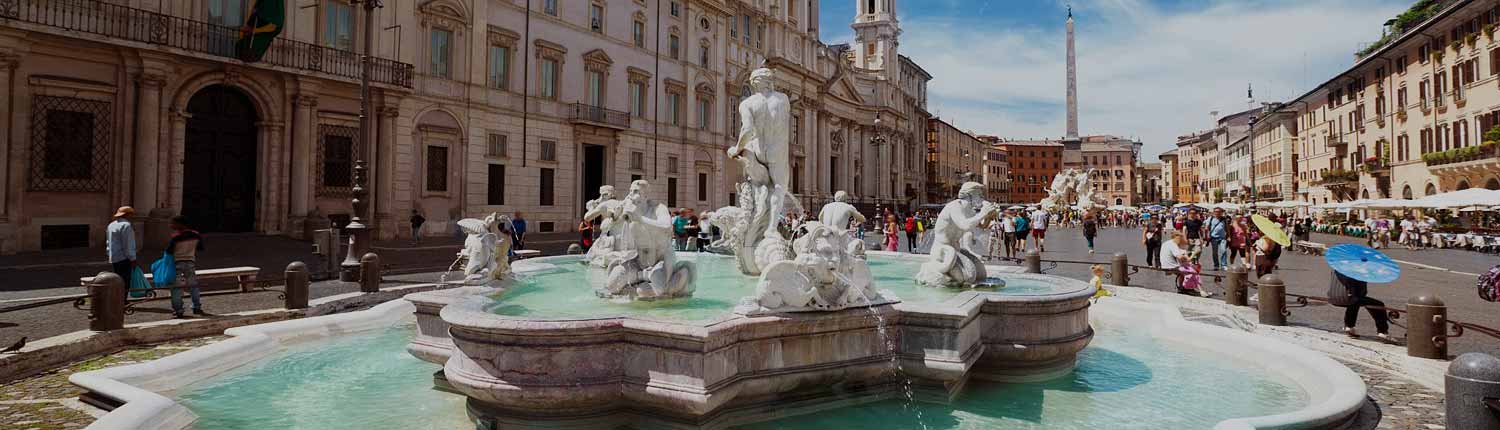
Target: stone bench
245,275
1311,248
522,254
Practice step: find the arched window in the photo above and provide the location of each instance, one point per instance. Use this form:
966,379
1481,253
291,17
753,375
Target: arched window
1406,192
1493,184
1431,189
1463,185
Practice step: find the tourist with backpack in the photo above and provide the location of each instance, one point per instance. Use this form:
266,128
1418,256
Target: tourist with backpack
1023,230
911,232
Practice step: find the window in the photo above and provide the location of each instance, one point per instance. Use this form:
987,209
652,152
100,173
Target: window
638,99
674,108
549,7
337,158
672,165
638,33
549,78
228,13
702,187
703,113
549,151
747,28
499,67
70,144
437,168
634,178
1401,65
703,56
596,18
673,43
676,9
672,192
338,25
441,53
545,187
495,193
596,88
637,160
499,145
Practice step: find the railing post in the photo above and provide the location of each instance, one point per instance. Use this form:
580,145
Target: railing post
1471,389
1033,262
1119,269
296,285
1235,285
107,302
1427,327
369,273
1272,293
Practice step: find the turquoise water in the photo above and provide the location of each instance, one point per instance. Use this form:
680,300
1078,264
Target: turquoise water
360,381
1124,380
567,291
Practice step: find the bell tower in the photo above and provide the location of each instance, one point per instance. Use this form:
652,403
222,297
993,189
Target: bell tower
875,33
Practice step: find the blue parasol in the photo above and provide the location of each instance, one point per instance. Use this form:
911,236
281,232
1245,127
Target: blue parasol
1362,263
1155,208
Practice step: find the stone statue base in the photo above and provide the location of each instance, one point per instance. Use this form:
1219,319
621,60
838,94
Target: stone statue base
626,280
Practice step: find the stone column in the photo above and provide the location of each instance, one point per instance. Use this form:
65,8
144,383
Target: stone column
272,217
8,127
302,152
385,172
146,181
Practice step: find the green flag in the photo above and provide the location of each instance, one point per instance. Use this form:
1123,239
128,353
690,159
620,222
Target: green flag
261,26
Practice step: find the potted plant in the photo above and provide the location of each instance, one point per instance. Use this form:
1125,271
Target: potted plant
1456,45
1437,56
1489,31
1471,38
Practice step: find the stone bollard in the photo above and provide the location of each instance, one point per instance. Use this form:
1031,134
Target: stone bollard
1235,285
296,285
369,273
1471,386
1427,328
107,297
1119,269
575,249
1272,293
1033,262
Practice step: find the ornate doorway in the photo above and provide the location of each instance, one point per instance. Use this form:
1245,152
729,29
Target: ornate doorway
218,175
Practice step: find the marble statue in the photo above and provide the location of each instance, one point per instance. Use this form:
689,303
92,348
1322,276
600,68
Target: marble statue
486,252
763,152
952,262
1070,188
644,265
1087,198
824,276
605,209
837,214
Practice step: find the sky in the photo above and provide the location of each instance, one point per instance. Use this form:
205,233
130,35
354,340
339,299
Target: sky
1147,69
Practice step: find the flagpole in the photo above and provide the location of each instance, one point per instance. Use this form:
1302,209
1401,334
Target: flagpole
359,233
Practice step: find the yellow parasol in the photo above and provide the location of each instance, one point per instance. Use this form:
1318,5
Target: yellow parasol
1271,230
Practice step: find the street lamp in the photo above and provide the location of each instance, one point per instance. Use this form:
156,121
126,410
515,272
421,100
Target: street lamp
1254,192
877,141
359,233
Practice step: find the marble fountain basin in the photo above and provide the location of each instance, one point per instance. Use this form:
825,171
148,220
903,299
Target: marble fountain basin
624,361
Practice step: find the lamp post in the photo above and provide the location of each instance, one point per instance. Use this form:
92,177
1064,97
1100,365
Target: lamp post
1254,192
359,233
877,141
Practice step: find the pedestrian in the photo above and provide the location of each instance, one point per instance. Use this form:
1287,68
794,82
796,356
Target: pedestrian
1353,294
691,230
184,246
1023,230
679,228
119,244
911,232
1151,237
1090,229
1218,236
1409,233
1239,241
1039,220
705,231
1302,230
1267,252
416,225
1193,229
585,234
892,233
1173,255
1008,232
518,231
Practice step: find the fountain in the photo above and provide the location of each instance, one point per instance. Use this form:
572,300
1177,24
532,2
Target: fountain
763,151
1071,188
485,255
642,264
953,263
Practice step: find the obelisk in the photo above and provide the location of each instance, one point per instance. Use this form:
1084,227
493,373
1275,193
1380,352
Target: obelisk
1072,83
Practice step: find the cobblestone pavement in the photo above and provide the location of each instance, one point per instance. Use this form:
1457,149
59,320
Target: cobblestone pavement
1402,404
48,401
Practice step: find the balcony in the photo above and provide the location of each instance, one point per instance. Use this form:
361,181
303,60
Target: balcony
594,115
123,23
1462,161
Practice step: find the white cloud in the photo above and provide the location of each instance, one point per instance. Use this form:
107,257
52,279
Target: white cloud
1143,71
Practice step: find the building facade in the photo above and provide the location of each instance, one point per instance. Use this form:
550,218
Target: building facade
1149,185
1191,188
1170,171
1033,164
479,106
953,157
1113,160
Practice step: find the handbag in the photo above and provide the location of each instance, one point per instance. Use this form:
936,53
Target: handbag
164,270
138,284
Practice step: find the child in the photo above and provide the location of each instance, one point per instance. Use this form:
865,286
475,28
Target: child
1098,282
1192,279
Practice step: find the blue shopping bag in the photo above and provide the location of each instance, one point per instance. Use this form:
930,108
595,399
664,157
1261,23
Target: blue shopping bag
138,284
164,270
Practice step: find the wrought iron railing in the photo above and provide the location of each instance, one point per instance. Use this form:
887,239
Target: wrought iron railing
595,114
138,25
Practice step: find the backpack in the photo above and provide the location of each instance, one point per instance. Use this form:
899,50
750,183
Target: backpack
1021,224
1489,285
911,225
